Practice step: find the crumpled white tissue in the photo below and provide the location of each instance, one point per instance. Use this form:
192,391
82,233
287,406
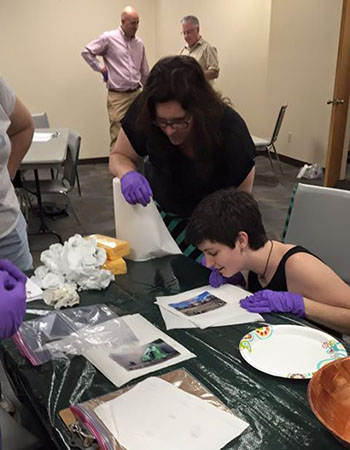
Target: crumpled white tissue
77,262
61,297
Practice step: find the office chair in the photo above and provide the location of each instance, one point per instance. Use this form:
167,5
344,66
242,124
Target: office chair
319,220
64,185
41,120
262,144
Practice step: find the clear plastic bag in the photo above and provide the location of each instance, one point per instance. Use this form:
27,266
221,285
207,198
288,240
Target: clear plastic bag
84,413
72,331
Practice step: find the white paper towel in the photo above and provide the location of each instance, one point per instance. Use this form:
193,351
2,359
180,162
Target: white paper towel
142,227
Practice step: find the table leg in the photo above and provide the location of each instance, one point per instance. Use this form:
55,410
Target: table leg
43,229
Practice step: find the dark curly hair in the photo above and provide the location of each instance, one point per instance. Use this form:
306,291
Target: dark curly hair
181,78
222,215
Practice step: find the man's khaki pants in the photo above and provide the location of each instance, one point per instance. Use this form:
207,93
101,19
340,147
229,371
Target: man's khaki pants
117,105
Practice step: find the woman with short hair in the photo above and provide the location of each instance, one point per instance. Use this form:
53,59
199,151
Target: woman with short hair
227,227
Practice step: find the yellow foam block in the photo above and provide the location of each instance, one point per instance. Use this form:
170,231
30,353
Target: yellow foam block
117,266
115,248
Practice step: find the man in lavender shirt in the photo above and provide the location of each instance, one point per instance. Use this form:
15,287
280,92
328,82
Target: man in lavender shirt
125,67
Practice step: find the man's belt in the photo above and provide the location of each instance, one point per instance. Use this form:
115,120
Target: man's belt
128,91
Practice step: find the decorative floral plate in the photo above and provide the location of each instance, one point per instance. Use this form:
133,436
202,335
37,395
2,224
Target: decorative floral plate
290,351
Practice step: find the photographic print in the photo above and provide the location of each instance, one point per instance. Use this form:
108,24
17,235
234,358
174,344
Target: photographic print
200,304
139,356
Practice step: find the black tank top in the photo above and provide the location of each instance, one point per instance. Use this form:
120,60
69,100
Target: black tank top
278,281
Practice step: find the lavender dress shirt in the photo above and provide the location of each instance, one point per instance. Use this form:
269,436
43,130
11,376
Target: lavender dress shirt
125,59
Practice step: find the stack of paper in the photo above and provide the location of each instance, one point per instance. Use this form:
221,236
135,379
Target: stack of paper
44,136
205,307
153,350
157,415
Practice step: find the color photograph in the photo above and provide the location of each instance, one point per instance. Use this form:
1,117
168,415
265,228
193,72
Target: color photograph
200,304
139,356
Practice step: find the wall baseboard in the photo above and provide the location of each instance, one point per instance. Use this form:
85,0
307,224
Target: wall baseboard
283,158
100,160
286,159
292,161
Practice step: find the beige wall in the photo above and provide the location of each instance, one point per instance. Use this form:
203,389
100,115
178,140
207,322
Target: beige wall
301,71
271,51
40,45
239,29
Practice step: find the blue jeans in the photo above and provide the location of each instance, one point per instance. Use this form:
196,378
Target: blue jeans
15,247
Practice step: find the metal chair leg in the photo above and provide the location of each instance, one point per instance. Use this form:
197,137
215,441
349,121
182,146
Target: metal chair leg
270,159
78,182
277,158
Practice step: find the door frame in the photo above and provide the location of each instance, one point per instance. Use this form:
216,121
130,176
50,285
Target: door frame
339,110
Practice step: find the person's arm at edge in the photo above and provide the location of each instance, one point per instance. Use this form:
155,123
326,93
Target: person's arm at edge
92,50
123,158
326,296
330,316
247,183
212,64
20,133
144,68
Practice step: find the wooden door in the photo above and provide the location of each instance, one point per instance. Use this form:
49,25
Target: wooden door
340,102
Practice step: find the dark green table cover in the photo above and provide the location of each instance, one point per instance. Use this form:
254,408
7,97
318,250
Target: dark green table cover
275,408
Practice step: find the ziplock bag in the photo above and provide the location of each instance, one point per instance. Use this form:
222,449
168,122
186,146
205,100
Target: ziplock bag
70,332
83,413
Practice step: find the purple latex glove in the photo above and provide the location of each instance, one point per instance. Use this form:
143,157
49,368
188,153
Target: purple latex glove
14,273
135,188
105,75
12,299
267,301
216,279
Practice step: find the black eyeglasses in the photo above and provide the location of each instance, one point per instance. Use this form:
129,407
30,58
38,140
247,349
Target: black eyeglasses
174,124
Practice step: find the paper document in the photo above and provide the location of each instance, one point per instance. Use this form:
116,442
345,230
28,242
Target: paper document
154,350
157,415
205,307
44,136
142,227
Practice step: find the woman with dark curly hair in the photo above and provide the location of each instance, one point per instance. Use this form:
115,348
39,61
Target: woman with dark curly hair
195,144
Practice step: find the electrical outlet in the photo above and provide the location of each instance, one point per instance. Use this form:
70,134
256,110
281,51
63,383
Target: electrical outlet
289,138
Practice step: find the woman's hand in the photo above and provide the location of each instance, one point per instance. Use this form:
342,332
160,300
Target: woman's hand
216,279
12,299
135,188
267,301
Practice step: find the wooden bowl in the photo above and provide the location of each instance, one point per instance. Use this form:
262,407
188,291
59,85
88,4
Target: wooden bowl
329,398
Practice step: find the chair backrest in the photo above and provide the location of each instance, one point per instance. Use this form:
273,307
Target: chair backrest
320,222
72,158
278,124
41,120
